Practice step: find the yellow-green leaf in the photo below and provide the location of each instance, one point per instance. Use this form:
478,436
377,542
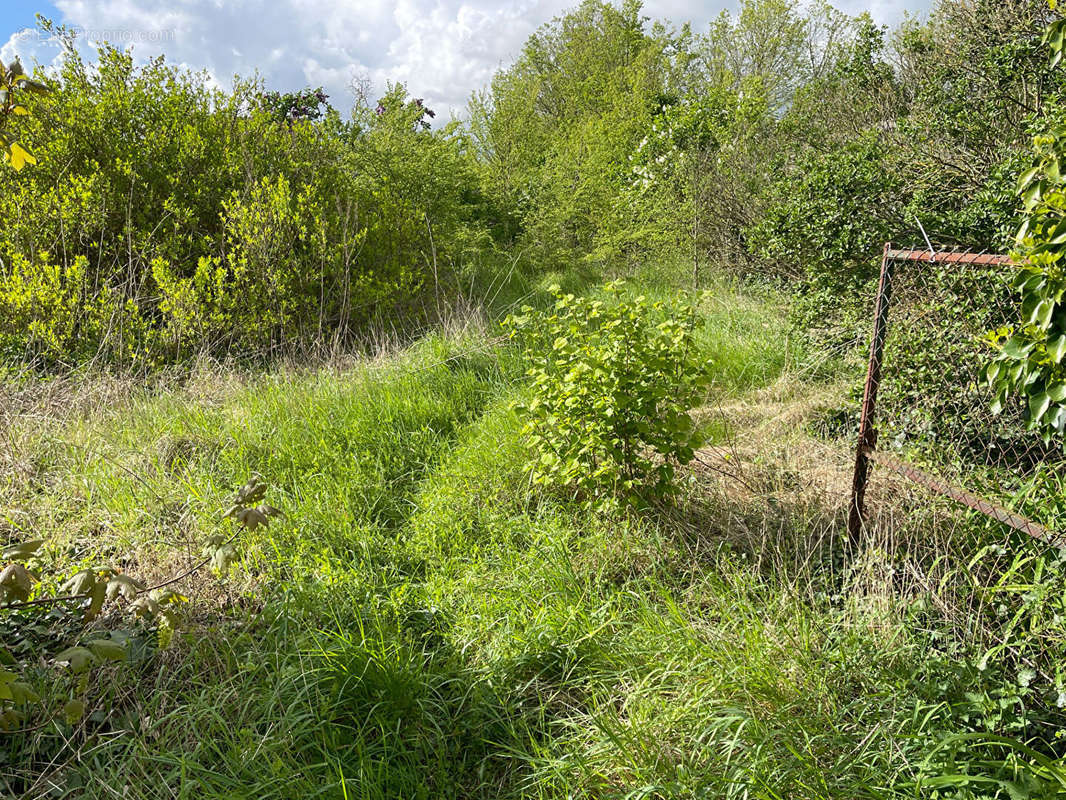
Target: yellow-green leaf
73,710
80,582
123,585
16,582
22,693
96,600
107,649
78,659
19,156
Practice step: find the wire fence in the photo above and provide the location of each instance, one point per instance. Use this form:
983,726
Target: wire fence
926,412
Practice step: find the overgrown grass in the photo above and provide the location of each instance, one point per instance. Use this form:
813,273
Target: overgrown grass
422,625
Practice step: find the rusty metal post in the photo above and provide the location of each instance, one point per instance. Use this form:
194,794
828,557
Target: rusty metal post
867,432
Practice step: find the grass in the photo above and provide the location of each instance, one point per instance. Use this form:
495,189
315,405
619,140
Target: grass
422,625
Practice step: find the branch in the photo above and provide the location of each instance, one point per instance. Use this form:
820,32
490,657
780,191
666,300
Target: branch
43,601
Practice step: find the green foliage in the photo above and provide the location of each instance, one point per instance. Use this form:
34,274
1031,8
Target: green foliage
426,625
289,107
1029,356
830,216
673,198
782,136
14,83
88,590
612,383
557,127
223,231
782,139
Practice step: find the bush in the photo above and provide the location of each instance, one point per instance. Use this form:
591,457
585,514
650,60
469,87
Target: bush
612,382
830,216
231,230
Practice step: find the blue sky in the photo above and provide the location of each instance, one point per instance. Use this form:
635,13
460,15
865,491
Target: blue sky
442,49
18,14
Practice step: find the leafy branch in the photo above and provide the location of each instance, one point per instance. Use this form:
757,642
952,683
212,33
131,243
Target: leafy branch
95,586
13,81
1030,357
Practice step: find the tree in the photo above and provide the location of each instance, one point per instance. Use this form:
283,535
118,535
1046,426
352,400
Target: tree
555,130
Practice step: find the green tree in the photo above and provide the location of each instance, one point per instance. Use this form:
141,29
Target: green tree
555,129
169,218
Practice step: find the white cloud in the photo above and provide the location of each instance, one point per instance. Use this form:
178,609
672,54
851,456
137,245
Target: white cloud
442,49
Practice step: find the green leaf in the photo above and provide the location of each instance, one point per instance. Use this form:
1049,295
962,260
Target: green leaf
1029,280
1017,348
1056,37
10,719
123,585
107,649
252,491
1057,418
144,607
78,659
1058,233
16,583
20,551
73,710
1041,315
80,582
1057,392
1056,348
22,693
1038,404
1032,195
1026,179
15,691
97,596
222,558
252,518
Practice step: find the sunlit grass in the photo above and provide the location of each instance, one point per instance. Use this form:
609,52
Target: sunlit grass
422,625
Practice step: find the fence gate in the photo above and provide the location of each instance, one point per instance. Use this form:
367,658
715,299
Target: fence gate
926,413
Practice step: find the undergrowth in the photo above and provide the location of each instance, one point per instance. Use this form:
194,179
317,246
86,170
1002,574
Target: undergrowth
424,624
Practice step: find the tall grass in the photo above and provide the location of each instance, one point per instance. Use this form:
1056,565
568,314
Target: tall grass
423,625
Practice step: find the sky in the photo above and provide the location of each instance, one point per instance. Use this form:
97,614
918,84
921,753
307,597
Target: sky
441,49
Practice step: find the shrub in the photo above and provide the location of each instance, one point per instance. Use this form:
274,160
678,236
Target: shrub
612,382
1030,360
830,216
246,223
39,599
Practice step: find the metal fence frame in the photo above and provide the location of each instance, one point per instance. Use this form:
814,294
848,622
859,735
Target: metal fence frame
866,450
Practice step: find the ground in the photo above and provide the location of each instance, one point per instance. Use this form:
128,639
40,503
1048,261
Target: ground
422,624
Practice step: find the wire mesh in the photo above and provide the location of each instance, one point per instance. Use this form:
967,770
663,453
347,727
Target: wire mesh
931,416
